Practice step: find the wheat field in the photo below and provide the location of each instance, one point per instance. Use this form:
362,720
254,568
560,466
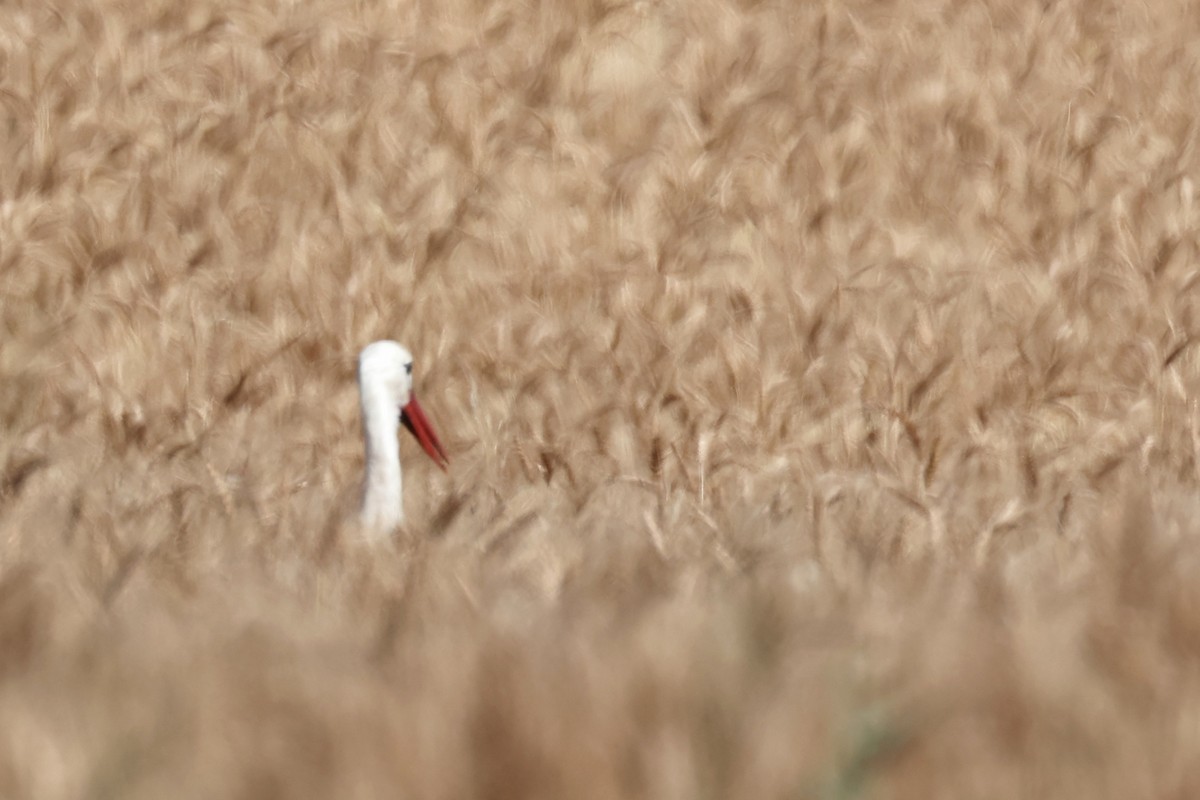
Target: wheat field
818,380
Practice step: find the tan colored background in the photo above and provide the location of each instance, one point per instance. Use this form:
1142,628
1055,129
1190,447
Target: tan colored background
819,379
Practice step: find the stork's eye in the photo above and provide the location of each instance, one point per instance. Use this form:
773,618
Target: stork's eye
408,368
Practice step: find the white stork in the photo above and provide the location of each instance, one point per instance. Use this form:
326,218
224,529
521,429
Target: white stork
385,389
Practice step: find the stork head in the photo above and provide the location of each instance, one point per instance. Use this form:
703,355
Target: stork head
385,368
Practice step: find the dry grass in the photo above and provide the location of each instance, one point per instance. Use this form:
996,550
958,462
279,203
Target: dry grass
819,379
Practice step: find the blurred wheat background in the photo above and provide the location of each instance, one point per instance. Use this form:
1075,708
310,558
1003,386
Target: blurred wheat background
819,381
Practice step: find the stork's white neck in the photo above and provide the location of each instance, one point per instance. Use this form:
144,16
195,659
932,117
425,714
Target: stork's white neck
382,506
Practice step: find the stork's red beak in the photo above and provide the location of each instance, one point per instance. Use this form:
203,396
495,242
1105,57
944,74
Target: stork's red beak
414,419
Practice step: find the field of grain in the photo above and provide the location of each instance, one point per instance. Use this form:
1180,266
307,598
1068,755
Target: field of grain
819,381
